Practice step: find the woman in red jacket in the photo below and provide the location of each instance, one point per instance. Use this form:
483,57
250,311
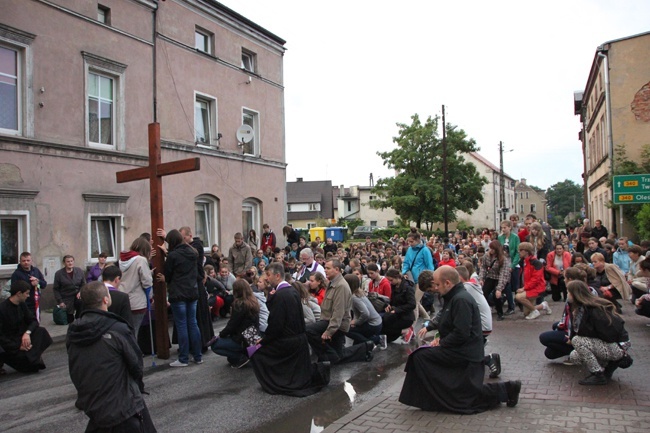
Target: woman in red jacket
556,262
534,283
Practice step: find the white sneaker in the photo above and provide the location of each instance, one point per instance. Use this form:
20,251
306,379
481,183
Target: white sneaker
383,342
547,308
534,315
178,364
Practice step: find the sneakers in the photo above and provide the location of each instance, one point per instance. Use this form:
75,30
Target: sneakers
383,342
594,379
533,315
568,362
513,388
494,365
500,318
510,312
369,348
177,363
547,308
409,335
199,362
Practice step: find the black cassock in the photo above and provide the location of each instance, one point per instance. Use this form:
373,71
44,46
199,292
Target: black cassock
283,364
14,321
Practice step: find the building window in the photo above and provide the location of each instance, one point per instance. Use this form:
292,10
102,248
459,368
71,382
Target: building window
533,207
349,206
105,92
206,220
390,223
104,236
248,60
250,216
314,207
288,208
100,109
205,119
104,14
373,223
311,225
203,40
252,119
521,208
9,90
527,194
13,238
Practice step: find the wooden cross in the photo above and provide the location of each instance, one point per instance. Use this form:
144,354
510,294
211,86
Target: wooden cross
154,172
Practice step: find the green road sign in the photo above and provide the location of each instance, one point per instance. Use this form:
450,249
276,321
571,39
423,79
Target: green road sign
631,189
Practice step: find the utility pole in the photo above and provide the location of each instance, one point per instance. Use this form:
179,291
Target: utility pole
502,185
444,172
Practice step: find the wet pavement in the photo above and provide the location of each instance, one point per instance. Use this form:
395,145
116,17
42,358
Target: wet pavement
361,397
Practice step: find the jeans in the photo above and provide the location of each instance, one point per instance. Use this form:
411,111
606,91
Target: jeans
489,291
512,287
187,329
229,348
556,344
364,332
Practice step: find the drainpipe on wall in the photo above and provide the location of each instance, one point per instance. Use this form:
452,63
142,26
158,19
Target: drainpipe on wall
602,53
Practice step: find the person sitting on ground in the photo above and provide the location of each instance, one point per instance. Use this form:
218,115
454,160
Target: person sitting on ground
22,341
540,242
557,341
245,313
377,283
598,335
610,281
282,363
317,287
447,258
636,257
310,307
399,314
534,284
593,247
366,323
495,275
621,256
327,336
309,266
448,374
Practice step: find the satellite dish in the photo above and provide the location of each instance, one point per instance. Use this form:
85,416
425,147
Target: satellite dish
245,134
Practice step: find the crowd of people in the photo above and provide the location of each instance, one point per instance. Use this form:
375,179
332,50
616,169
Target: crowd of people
290,310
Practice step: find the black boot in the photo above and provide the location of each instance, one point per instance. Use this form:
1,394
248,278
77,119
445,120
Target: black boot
610,369
594,379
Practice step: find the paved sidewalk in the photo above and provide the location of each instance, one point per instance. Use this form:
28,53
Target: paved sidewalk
551,399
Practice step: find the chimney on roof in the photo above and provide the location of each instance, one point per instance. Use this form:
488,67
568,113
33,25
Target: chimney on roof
523,181
299,179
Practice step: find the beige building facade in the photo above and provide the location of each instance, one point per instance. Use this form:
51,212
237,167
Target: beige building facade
80,82
530,201
614,109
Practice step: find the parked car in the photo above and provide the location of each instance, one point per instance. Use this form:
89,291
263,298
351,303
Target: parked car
362,231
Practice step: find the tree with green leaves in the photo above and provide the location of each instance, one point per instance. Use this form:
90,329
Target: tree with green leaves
563,198
415,193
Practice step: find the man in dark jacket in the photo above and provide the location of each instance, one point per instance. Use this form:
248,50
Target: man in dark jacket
106,366
120,304
27,272
448,375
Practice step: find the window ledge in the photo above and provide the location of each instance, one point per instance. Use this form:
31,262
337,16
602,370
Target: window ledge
18,193
104,197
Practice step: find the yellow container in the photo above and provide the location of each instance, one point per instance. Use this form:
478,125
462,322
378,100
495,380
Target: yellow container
317,232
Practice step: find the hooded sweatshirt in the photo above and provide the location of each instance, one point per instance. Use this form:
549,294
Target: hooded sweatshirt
181,274
136,277
105,366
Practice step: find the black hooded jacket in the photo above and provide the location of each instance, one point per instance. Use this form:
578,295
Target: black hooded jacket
181,274
105,365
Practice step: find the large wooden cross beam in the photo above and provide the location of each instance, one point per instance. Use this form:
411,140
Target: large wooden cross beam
154,172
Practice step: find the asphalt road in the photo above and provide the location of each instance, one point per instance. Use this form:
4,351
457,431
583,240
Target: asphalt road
200,398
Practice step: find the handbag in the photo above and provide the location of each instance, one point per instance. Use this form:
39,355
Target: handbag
60,315
251,335
377,301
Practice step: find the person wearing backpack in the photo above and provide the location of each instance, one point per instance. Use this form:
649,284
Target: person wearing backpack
598,335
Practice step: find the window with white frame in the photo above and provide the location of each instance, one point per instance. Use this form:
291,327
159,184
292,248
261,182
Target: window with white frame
104,103
104,236
311,225
373,223
16,107
527,194
521,208
252,119
390,223
533,207
206,220
203,40
101,113
205,119
314,207
250,216
248,60
13,238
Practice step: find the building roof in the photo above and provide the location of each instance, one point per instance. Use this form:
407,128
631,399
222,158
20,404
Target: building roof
231,13
493,167
317,191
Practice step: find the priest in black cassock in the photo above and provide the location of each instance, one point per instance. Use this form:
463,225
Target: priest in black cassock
22,341
282,364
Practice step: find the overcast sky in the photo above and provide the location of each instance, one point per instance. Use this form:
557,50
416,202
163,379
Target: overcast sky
505,70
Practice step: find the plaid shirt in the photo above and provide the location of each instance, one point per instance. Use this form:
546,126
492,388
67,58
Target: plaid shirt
491,269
